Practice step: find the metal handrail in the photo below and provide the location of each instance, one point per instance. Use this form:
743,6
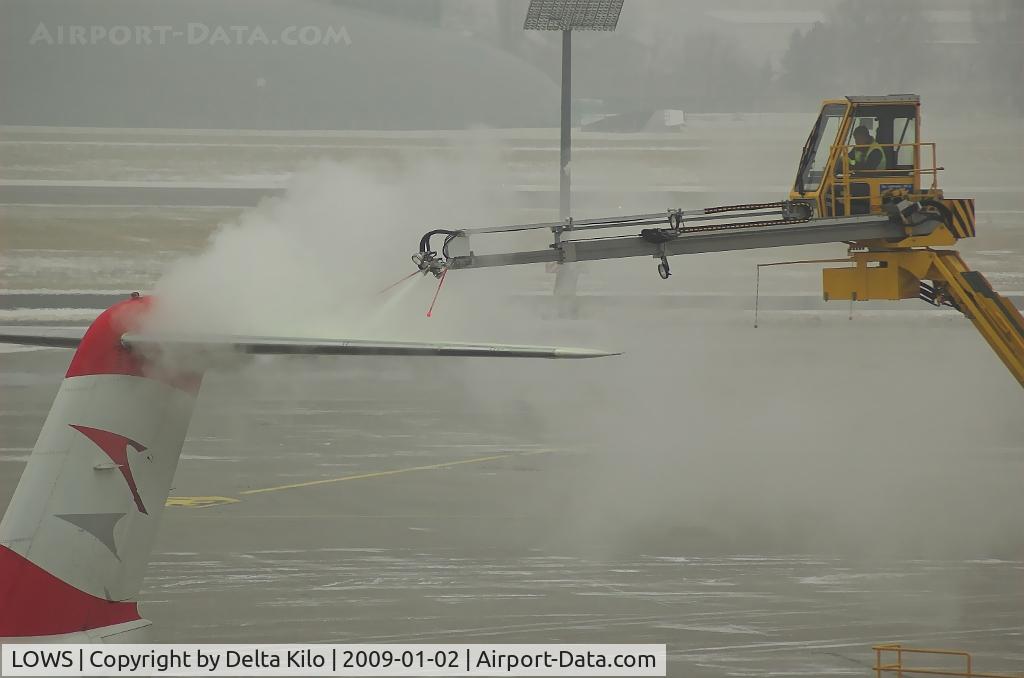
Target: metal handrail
845,150
900,669
843,179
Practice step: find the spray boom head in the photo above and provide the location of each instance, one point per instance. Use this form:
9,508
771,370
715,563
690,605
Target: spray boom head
429,262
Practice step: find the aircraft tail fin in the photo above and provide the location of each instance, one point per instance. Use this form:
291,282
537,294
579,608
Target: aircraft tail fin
77,534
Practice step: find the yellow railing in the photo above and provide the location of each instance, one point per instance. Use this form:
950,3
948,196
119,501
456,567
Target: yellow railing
843,177
896,660
919,165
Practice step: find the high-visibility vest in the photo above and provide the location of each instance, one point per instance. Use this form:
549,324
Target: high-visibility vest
861,154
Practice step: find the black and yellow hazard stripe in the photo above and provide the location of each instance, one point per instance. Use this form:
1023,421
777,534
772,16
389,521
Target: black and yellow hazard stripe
962,210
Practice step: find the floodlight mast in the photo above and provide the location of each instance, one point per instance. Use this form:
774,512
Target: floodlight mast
566,16
565,154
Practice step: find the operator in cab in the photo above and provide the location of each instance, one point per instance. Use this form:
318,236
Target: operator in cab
866,155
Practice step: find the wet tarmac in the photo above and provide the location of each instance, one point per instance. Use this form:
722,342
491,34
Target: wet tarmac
359,501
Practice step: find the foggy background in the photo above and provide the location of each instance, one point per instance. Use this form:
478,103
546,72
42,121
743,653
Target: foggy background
449,64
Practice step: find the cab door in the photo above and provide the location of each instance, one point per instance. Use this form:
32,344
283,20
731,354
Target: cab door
815,174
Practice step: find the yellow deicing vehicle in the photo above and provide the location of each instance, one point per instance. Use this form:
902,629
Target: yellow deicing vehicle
831,184
865,179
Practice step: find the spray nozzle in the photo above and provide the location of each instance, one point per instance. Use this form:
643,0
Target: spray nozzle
429,262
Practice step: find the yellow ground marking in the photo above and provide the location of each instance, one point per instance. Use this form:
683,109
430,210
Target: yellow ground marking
199,502
380,474
203,502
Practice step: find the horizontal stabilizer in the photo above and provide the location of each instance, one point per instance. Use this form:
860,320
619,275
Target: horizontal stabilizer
302,346
69,337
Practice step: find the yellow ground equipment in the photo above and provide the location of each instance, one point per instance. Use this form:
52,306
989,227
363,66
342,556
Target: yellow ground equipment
864,179
907,268
899,661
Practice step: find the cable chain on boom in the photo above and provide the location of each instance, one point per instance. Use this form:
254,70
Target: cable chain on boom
744,224
676,221
746,207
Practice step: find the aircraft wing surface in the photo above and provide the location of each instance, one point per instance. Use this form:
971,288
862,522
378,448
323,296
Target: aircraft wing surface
302,346
69,337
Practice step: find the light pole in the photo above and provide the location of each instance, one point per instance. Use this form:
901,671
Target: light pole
567,16
565,137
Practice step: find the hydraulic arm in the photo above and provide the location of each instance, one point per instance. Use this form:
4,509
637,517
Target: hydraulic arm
714,229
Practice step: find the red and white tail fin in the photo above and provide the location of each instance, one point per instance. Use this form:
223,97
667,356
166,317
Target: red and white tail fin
77,534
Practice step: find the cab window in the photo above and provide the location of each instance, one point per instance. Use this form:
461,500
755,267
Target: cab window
819,146
904,135
892,126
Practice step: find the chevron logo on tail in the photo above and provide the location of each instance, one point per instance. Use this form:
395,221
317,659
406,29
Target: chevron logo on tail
115,446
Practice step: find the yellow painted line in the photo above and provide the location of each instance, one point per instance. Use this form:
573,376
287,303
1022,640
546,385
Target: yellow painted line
199,502
379,474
